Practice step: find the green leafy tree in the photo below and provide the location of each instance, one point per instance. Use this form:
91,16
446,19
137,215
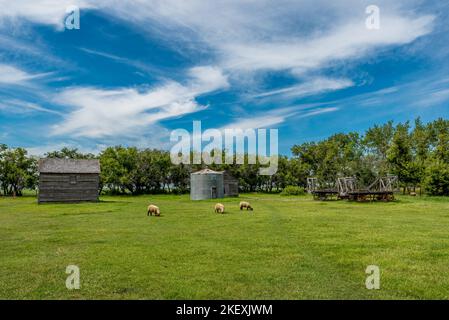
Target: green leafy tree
399,154
67,153
436,182
379,137
17,171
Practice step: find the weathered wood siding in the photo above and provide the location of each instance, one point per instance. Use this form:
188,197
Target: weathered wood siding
231,185
68,187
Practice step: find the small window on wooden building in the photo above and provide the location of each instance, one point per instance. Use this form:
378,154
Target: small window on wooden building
73,179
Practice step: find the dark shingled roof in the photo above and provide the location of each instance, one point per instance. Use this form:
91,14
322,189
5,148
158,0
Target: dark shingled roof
55,165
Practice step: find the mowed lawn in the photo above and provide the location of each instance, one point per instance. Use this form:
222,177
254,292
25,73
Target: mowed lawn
287,248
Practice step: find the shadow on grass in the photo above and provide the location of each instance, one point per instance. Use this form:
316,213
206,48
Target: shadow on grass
113,201
87,213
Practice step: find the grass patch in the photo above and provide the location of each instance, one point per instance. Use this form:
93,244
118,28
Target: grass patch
287,248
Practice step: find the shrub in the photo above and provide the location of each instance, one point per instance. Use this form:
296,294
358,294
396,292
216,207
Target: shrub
293,191
436,182
179,191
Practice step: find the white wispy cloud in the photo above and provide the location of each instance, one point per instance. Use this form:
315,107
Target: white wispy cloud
19,106
101,112
12,75
349,41
277,117
253,35
50,12
257,121
309,87
130,62
431,97
428,92
280,35
318,111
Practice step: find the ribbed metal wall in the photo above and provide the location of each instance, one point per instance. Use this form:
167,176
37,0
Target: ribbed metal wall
201,186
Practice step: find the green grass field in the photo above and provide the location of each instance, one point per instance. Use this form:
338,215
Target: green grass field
287,248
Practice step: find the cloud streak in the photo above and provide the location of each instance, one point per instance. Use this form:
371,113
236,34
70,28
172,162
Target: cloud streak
277,117
288,39
49,12
15,76
349,41
282,35
18,106
309,87
102,113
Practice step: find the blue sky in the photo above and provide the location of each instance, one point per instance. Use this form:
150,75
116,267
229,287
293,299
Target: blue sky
136,70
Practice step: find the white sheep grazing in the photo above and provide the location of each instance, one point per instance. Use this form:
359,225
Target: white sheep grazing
244,204
219,208
153,209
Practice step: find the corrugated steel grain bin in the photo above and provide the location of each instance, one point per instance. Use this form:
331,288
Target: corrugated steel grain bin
206,184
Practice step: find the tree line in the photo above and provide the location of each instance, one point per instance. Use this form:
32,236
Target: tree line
417,153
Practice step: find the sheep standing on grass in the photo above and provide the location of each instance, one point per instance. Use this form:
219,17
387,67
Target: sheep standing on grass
219,208
153,209
244,204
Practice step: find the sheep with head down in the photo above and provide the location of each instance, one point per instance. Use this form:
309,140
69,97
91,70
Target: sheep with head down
153,209
245,205
219,208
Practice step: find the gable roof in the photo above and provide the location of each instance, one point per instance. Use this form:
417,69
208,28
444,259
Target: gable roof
56,165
